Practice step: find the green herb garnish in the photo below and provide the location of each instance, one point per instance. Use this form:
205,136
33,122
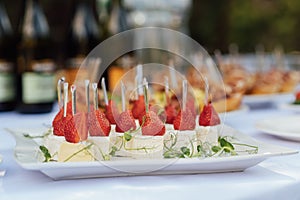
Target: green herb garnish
297,102
46,154
205,149
127,136
113,151
185,151
26,135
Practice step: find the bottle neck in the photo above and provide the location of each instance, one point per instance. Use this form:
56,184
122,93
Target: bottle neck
84,24
5,25
117,22
84,32
34,24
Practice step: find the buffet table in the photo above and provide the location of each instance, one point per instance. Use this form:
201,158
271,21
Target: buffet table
274,178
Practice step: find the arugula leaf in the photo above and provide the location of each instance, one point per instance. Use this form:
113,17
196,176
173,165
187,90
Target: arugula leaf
113,151
216,149
199,148
127,136
46,153
186,151
228,147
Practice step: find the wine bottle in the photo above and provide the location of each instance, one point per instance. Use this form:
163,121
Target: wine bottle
84,35
118,20
36,68
117,23
7,65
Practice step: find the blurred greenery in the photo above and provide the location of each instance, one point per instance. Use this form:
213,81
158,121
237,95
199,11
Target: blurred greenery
216,23
213,23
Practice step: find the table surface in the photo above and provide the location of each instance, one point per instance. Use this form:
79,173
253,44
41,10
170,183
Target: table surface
274,178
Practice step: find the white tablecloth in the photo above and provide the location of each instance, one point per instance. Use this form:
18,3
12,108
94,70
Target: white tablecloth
274,178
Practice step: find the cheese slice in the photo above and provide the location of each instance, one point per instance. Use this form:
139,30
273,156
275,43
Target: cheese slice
101,147
74,152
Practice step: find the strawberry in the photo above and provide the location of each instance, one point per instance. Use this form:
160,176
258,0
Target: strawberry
70,132
171,113
125,122
190,104
152,124
58,123
81,124
98,124
174,102
185,120
76,127
209,116
111,112
298,96
138,107
157,110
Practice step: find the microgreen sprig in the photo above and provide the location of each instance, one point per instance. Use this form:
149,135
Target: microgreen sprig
46,153
48,132
205,149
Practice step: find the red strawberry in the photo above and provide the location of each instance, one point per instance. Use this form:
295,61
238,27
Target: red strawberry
76,127
98,124
174,102
160,112
138,107
185,120
209,116
125,122
58,123
171,113
111,112
70,132
190,104
152,124
298,96
81,124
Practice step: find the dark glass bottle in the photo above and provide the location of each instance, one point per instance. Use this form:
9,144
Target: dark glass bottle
36,68
117,23
7,65
84,35
118,18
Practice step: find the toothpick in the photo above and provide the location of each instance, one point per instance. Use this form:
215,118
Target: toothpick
95,91
103,85
167,89
123,96
184,94
139,72
66,85
136,86
60,82
206,91
73,93
172,74
145,87
87,94
211,69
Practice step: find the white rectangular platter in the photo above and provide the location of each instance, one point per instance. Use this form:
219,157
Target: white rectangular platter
27,154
